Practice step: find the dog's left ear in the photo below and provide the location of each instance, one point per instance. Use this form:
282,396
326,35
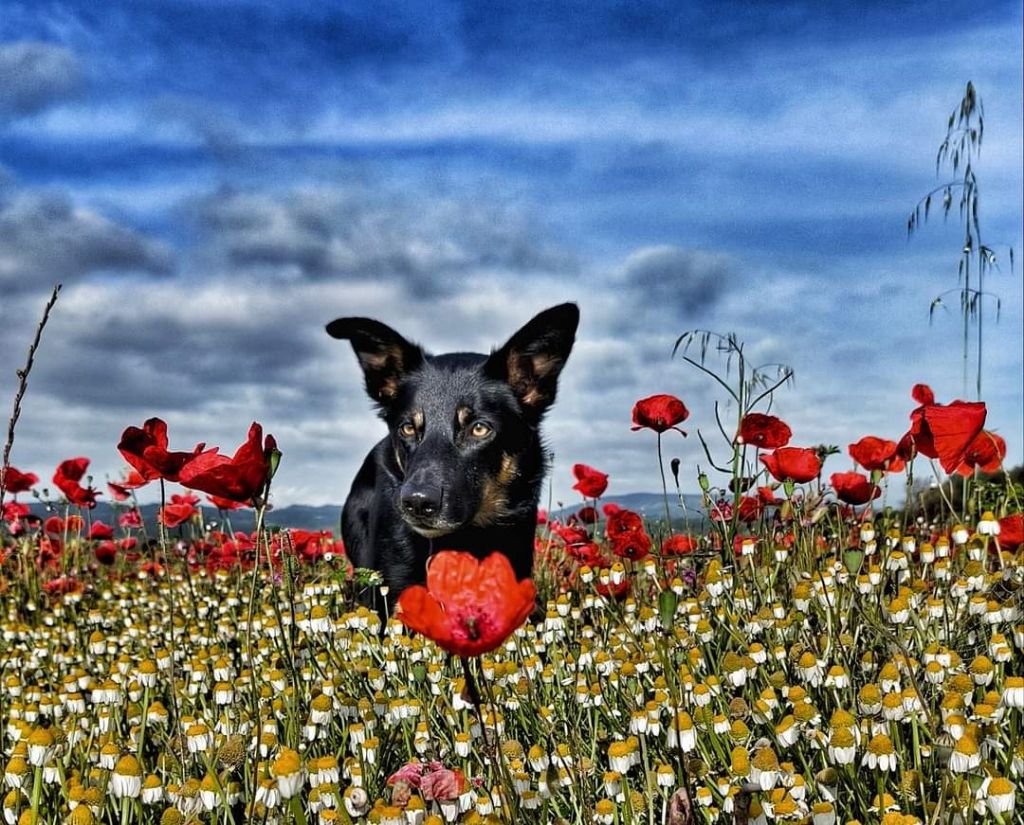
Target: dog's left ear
533,358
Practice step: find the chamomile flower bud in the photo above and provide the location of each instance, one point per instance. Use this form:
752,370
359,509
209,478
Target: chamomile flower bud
288,771
1013,692
1002,797
126,778
965,756
41,747
988,524
880,753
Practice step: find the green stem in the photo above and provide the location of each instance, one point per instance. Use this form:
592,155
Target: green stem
37,792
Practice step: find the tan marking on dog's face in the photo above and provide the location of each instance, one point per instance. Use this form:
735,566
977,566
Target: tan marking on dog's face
509,470
494,494
418,420
462,414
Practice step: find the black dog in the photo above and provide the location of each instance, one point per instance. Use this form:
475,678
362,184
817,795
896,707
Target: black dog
463,463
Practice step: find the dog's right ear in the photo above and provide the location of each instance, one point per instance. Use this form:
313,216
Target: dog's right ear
385,356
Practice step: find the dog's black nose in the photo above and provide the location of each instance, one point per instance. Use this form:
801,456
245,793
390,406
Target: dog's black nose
421,502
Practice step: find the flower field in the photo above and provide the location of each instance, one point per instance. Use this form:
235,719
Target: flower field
799,651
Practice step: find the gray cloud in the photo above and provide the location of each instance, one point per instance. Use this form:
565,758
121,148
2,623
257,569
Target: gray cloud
684,281
319,234
46,238
35,75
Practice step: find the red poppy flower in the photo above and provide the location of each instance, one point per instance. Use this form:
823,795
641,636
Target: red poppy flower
634,545
854,488
469,607
764,431
590,483
14,510
14,481
874,453
751,508
570,533
942,431
178,511
1011,531
62,585
767,496
659,413
106,552
799,464
133,518
146,450
621,521
587,515
225,503
66,479
585,552
625,531
678,545
311,544
986,452
99,531
239,478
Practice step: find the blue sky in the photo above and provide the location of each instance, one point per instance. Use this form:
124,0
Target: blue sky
213,182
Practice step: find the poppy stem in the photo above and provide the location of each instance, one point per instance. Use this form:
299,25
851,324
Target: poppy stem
472,692
664,490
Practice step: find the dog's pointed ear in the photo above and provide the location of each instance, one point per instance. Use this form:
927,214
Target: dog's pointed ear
533,358
384,355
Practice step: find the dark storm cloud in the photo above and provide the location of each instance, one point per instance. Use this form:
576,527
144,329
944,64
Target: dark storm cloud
323,234
174,347
35,75
45,238
685,282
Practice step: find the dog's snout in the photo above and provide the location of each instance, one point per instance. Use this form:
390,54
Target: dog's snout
421,501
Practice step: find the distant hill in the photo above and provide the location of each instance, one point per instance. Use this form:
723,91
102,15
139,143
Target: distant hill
328,517
649,505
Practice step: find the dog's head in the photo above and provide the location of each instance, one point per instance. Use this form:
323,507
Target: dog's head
463,426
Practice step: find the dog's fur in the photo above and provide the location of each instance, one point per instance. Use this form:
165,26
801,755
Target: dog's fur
463,462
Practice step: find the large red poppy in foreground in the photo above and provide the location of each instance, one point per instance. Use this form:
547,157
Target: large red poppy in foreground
986,453
239,478
942,431
145,449
469,607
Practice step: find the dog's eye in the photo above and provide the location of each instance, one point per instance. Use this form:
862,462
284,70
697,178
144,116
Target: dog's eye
480,430
407,430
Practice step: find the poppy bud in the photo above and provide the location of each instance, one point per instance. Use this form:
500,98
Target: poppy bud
667,602
674,465
273,460
702,480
